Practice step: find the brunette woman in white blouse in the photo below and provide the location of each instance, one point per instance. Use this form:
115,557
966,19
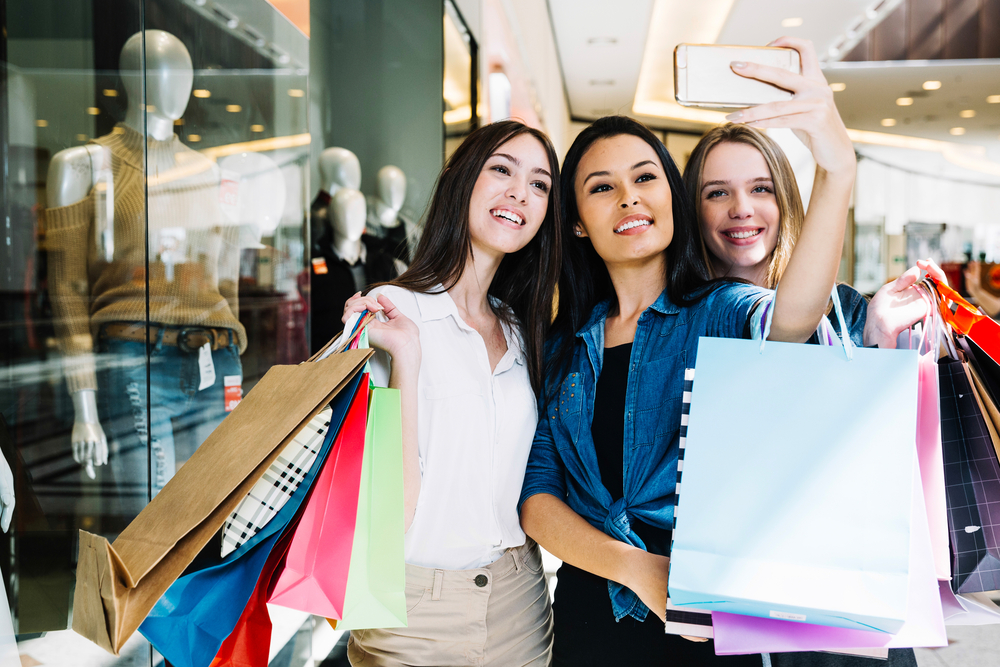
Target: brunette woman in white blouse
464,328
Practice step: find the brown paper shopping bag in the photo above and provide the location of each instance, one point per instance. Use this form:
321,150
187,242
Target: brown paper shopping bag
117,584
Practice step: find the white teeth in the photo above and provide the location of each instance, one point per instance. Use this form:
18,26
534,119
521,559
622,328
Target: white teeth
632,225
509,215
742,235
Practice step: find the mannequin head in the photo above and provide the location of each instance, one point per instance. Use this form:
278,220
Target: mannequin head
391,187
339,168
169,76
347,213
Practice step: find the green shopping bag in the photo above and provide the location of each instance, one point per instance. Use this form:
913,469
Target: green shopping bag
375,596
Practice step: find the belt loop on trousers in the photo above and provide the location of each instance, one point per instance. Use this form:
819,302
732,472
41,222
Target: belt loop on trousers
516,553
438,583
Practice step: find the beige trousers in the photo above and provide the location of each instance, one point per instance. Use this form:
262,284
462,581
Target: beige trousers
499,615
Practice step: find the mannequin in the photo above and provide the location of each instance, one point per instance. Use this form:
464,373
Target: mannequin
384,219
97,197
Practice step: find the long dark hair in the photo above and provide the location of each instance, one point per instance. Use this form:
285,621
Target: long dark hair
526,279
585,280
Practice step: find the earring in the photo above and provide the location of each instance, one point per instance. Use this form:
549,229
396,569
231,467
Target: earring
578,232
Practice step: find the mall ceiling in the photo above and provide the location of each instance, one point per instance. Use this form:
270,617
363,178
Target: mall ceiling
619,59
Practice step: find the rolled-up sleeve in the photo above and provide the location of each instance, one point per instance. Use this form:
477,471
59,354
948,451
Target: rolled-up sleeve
545,472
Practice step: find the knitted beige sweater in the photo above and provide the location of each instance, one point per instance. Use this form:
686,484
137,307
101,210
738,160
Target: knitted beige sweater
97,267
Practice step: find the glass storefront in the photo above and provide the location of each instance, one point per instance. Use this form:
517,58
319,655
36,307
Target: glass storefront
191,188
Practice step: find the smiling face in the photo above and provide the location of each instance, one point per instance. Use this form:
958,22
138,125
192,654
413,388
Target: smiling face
511,197
624,201
738,211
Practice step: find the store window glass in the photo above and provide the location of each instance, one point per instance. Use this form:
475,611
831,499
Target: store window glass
155,161
461,107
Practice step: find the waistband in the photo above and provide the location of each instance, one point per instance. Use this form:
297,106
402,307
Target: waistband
511,562
187,338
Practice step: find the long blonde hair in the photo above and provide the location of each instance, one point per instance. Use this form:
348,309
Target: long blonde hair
786,190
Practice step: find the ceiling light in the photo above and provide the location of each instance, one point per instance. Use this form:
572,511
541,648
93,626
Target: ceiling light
296,92
110,92
93,111
888,122
202,93
602,82
993,99
931,85
967,113
904,101
151,108
234,108
194,138
957,131
179,121
838,87
791,23
256,128
82,137
41,123
602,41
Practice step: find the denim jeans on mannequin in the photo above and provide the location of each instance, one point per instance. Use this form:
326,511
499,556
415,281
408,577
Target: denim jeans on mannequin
153,427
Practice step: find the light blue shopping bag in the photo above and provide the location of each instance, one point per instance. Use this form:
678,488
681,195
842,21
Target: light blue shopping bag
797,483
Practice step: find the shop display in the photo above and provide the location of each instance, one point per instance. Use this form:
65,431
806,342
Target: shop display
384,218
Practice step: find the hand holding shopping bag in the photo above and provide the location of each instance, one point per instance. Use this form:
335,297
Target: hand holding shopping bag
118,584
777,499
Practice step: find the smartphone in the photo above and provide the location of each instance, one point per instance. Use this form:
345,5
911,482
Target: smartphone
703,76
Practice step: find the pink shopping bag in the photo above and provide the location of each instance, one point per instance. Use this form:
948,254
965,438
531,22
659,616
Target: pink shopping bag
314,577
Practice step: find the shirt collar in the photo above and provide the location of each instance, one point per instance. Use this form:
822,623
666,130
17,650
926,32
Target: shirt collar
438,304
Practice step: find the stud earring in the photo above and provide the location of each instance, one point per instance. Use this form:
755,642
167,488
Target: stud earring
578,232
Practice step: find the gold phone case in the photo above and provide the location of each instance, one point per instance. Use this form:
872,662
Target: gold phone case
704,78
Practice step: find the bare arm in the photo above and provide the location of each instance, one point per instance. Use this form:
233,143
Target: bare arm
565,534
805,287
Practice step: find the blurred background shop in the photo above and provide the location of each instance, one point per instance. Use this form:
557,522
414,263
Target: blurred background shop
192,187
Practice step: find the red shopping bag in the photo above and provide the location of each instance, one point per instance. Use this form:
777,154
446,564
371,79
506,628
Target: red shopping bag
313,577
250,641
967,320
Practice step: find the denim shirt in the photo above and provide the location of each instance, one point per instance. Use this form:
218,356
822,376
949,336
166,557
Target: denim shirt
563,460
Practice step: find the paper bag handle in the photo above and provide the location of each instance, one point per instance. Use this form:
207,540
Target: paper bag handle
324,352
845,336
965,316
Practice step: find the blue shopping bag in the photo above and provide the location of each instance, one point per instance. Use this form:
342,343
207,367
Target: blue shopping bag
797,482
192,619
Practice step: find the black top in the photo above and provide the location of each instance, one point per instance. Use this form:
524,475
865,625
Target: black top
608,432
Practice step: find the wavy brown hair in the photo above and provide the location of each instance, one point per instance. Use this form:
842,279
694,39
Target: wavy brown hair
526,279
786,191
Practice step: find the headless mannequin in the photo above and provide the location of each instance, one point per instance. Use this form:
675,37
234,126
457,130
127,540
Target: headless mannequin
73,174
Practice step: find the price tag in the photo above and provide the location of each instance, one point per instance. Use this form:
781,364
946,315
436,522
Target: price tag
206,367
319,266
234,391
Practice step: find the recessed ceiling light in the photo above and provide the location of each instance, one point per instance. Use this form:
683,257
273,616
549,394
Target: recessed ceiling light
791,23
41,123
904,101
151,108
838,87
602,41
179,121
234,108
993,99
202,93
957,131
888,122
82,137
93,111
931,85
602,82
256,128
296,92
110,92
194,138
967,113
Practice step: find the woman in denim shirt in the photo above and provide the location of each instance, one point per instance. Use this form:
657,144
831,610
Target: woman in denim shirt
635,296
